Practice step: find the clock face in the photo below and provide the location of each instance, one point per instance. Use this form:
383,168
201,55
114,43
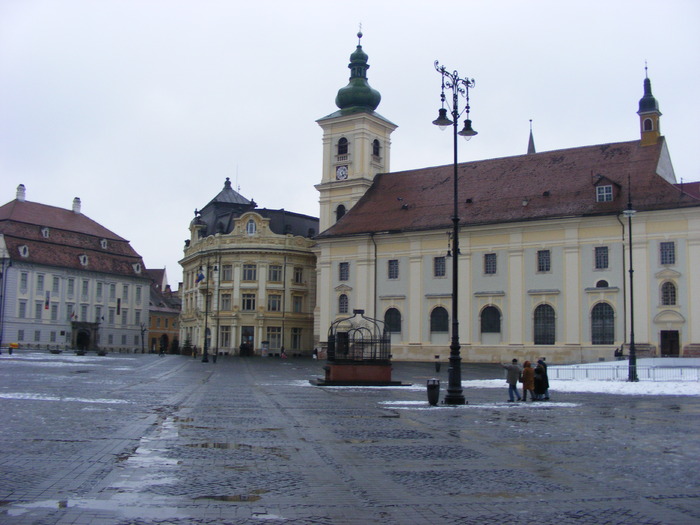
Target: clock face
341,172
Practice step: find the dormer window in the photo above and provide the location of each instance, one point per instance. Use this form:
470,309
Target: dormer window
83,259
45,232
136,267
604,193
251,227
103,244
343,146
23,250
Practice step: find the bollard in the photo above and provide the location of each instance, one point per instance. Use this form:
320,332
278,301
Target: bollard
433,391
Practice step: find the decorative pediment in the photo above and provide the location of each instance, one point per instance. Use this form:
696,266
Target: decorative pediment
343,288
669,317
667,273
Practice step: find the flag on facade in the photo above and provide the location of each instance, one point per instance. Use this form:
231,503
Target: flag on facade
200,277
119,306
48,298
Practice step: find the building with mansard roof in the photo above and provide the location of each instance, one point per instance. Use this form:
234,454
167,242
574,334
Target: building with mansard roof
249,280
67,281
544,258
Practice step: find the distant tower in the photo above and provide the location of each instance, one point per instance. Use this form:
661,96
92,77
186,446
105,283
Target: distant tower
531,143
649,116
356,143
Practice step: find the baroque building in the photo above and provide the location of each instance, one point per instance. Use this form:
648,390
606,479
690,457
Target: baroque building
67,281
249,281
544,258
164,309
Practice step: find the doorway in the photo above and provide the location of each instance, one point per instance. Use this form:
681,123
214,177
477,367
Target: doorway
670,343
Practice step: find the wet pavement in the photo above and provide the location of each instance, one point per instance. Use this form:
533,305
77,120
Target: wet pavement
138,439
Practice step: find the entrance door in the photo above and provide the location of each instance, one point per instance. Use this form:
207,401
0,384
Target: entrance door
670,343
247,340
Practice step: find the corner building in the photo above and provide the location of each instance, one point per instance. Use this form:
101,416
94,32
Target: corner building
248,278
544,247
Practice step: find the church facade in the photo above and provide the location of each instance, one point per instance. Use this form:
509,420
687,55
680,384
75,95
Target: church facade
545,255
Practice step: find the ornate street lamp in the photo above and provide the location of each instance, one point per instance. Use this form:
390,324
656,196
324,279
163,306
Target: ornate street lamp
205,350
629,213
458,86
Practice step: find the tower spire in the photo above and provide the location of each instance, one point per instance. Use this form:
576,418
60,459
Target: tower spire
648,113
531,142
358,93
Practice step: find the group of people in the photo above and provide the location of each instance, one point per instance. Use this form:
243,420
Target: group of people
534,380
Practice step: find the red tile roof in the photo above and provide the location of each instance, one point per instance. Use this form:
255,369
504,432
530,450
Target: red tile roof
545,185
70,235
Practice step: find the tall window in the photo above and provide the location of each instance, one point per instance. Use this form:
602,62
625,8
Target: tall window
297,304
22,311
248,302
343,304
71,288
274,273
667,252
85,289
274,302
490,320
226,272
601,257
544,261
56,284
375,148
439,268
544,325
274,337
392,320
393,269
604,193
125,292
23,282
250,227
339,212
668,294
343,146
225,336
39,284
250,272
296,338
298,275
439,320
112,289
226,301
38,305
490,263
343,271
602,324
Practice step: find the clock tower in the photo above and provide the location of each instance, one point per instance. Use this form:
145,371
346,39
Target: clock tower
356,143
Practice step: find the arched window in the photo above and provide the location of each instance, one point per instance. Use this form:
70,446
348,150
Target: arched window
343,146
250,227
602,324
601,284
439,320
343,304
375,148
392,320
490,320
339,212
648,124
668,294
544,325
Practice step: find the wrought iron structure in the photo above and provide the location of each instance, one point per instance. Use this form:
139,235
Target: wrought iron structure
358,338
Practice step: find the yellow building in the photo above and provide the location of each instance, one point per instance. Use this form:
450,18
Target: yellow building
248,279
544,258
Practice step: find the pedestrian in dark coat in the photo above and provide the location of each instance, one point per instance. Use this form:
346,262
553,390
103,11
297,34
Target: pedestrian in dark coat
545,392
528,381
540,382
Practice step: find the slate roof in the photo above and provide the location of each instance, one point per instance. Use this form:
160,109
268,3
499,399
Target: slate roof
70,236
553,184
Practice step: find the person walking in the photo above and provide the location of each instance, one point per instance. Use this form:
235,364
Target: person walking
528,381
513,372
540,381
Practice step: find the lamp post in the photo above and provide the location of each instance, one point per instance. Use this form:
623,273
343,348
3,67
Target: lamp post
629,212
458,86
205,350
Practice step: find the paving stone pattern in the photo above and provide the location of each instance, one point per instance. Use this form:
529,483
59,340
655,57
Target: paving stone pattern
143,440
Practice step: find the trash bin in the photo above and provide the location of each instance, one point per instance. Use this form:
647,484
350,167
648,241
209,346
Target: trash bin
433,391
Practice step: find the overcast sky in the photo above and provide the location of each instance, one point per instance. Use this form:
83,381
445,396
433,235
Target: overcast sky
143,108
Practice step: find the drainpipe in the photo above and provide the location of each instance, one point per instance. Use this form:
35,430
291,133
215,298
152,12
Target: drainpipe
374,306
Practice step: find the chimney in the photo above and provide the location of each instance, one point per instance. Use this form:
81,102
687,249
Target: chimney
76,205
21,193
